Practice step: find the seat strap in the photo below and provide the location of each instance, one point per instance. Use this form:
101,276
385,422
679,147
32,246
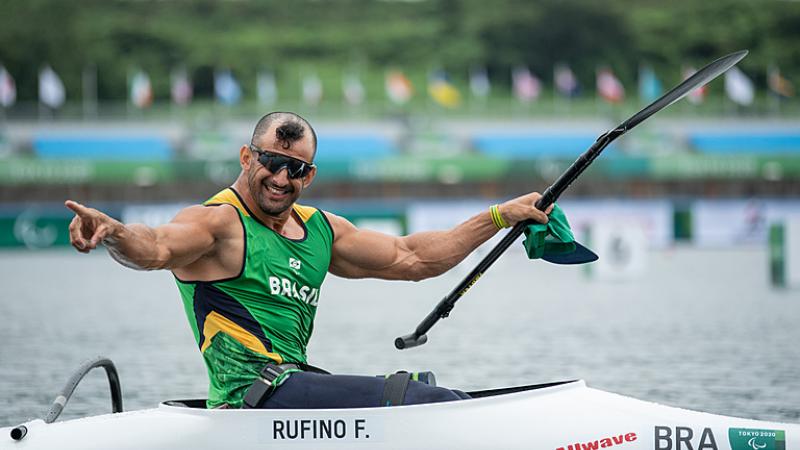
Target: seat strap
309,368
263,387
394,390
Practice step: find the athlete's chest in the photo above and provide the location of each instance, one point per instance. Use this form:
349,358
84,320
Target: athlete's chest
301,262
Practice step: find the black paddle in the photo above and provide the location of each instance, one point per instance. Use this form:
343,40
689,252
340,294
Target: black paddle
551,194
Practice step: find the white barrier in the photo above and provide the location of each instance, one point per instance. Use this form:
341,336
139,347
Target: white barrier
622,248
732,223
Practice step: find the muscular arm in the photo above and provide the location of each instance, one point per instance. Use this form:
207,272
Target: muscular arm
189,236
364,253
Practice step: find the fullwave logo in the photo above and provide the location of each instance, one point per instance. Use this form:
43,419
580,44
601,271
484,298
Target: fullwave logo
601,443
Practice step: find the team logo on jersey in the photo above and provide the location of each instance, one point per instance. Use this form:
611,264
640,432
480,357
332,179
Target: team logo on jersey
294,263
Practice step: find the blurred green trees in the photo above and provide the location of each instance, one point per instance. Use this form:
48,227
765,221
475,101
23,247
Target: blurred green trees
329,36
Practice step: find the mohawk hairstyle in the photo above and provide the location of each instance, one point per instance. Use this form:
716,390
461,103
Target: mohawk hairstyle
291,129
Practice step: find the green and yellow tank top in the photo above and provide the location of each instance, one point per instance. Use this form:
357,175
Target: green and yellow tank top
267,311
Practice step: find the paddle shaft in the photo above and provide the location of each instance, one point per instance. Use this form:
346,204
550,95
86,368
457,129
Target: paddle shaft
550,195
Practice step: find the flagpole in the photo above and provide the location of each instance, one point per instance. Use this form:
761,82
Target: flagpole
774,99
45,111
172,80
128,80
555,92
89,91
597,102
40,105
513,94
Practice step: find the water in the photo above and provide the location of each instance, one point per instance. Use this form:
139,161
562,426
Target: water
701,330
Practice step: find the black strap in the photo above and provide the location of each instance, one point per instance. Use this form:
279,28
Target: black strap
309,368
262,388
394,390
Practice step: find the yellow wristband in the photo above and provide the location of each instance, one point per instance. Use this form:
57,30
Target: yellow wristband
497,218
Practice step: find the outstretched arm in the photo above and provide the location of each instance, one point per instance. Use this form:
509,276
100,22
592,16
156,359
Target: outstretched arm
364,253
189,236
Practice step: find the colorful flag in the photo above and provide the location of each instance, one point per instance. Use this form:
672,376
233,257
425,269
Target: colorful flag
89,90
442,90
141,90
565,80
778,84
398,88
526,85
8,90
609,87
353,89
51,89
226,88
312,89
738,87
479,83
650,87
180,87
697,95
266,88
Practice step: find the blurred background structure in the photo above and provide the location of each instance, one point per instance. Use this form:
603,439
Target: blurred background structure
140,106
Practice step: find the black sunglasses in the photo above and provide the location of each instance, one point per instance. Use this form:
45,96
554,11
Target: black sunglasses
274,162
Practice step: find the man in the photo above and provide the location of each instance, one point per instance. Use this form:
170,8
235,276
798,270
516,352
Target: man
250,261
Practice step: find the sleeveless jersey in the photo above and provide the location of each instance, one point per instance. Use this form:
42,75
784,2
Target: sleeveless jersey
266,312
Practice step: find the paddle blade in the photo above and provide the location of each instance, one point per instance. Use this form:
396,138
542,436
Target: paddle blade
701,77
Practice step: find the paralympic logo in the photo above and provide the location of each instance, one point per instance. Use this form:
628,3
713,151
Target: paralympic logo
29,230
756,439
755,445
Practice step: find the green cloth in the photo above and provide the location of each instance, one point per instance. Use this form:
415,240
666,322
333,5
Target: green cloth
553,238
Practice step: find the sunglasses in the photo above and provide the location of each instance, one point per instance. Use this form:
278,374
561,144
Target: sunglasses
274,162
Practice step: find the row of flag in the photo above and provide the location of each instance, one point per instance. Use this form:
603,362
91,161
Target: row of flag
526,87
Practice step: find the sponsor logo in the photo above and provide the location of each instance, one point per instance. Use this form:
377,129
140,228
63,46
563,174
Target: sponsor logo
684,438
294,263
756,439
471,283
601,443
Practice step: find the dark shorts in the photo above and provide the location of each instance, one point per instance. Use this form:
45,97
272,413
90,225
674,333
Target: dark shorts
305,390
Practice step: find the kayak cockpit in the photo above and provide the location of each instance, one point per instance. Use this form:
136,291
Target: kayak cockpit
511,390
201,403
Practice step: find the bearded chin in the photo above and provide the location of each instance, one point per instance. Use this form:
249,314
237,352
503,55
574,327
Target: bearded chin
274,209
267,207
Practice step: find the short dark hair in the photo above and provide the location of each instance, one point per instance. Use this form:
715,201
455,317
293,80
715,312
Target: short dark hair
292,129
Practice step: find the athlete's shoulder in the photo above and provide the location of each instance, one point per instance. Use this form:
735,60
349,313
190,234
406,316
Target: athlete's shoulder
227,196
339,225
214,216
304,212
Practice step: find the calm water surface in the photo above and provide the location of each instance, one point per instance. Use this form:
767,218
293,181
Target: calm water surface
701,330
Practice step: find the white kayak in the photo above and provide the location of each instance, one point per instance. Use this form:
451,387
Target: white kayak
556,416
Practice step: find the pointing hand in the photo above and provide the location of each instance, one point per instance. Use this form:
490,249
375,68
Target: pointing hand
89,227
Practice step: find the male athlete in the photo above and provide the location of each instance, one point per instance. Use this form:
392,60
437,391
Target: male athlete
249,264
